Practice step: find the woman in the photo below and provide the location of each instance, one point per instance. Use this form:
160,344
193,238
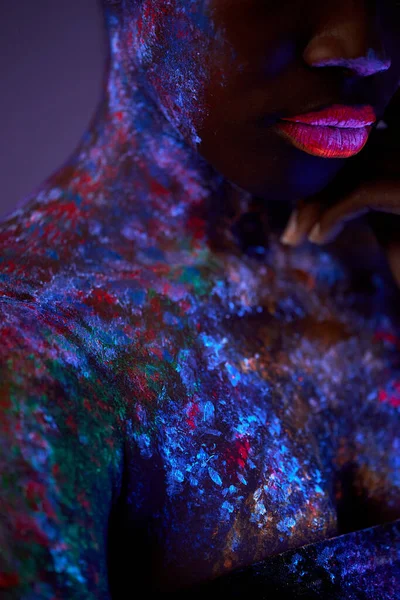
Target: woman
182,394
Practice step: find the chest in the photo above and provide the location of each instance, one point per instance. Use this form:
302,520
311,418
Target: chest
250,425
249,391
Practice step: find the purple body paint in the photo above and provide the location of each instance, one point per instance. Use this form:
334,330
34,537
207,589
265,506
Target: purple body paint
173,408
365,66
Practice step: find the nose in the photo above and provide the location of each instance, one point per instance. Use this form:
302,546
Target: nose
347,36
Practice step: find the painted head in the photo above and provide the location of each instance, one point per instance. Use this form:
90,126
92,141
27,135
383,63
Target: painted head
226,72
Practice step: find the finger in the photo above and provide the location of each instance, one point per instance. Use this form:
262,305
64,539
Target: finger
309,210
301,221
370,196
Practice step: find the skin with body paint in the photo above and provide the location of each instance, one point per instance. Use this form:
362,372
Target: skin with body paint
242,63
181,394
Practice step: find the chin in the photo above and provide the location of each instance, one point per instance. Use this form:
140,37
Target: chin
285,191
280,173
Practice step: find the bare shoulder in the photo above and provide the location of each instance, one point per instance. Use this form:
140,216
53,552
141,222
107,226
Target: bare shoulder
38,239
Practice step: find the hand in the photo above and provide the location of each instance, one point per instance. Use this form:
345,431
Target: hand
369,185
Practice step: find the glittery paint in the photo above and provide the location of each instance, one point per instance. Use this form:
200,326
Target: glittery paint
172,69
172,411
363,564
364,66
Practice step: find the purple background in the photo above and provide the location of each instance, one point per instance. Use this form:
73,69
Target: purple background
51,72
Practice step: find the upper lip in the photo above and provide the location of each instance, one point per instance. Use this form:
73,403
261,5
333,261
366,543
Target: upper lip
338,115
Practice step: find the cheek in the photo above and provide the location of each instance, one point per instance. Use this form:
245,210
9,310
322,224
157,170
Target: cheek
179,79
178,53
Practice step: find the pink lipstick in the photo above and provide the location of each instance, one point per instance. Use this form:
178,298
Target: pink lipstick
338,131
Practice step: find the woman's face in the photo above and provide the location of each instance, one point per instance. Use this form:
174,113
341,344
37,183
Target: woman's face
225,71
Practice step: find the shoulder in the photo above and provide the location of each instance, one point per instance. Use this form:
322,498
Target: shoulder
42,357
38,238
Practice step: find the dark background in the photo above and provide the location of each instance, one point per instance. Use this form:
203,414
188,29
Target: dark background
52,55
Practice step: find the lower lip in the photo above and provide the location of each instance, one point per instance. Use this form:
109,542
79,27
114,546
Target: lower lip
328,142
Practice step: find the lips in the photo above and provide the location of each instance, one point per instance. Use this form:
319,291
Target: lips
338,131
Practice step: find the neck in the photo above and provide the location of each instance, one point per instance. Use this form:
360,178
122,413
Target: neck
135,163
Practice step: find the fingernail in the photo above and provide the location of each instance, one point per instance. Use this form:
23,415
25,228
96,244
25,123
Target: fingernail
317,237
290,233
315,234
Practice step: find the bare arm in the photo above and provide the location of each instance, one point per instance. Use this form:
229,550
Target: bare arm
59,461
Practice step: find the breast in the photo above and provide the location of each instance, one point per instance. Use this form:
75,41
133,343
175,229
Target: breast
246,464
242,480
266,426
